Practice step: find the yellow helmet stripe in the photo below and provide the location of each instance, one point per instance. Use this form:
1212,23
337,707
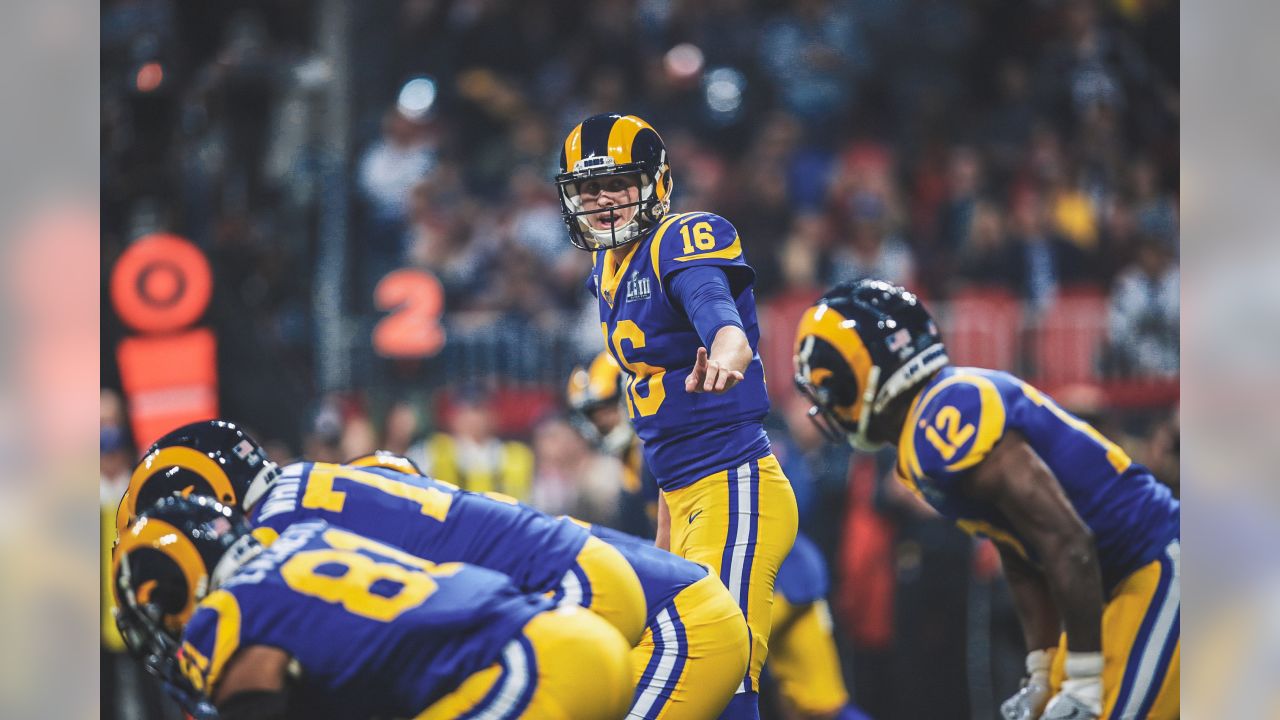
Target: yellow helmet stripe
573,148
622,135
829,325
167,539
387,461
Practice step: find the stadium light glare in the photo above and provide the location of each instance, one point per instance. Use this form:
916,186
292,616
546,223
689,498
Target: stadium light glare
683,61
417,98
723,91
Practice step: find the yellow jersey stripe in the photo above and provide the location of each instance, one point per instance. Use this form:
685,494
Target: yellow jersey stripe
729,253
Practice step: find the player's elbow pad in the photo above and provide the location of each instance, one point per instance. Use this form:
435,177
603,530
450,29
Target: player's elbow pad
256,705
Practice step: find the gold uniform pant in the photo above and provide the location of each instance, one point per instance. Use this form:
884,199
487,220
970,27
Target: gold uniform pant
692,656
741,522
603,581
568,664
803,657
1141,644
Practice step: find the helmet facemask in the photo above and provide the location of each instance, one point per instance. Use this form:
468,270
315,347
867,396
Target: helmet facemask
834,407
649,210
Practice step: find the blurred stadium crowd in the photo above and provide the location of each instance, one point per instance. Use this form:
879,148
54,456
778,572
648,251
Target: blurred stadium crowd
1016,163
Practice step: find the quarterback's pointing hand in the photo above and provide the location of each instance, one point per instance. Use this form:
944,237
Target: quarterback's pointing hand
710,375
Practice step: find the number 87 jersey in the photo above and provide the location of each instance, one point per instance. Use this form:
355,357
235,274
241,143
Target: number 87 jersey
436,521
686,436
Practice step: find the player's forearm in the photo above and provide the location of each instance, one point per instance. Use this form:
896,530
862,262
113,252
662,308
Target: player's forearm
731,349
1036,611
1075,582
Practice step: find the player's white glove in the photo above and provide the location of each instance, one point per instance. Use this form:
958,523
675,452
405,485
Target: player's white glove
1081,694
1028,702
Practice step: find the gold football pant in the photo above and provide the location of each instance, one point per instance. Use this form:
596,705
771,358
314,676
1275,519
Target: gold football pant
568,664
692,656
603,581
741,522
1141,644
803,658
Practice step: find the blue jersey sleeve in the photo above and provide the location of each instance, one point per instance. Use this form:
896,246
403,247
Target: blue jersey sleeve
701,239
955,426
705,295
210,638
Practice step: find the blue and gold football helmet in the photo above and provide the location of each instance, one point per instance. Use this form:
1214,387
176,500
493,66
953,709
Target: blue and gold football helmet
611,145
177,551
212,457
862,346
592,388
387,460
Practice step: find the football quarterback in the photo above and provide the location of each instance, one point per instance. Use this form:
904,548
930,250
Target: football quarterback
674,294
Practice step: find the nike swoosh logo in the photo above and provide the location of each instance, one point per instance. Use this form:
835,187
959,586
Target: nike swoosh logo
694,515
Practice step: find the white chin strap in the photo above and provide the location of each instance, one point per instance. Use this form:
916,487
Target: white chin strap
260,485
875,400
241,552
610,237
859,439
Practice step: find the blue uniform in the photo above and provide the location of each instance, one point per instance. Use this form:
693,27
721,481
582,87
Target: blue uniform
662,575
428,518
961,414
803,659
803,577
695,645
687,436
376,631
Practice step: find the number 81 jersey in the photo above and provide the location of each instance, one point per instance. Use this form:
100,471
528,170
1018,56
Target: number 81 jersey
686,436
377,632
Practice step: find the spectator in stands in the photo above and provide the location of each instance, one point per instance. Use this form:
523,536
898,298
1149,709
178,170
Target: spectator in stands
115,456
1143,315
983,256
388,170
1041,260
395,162
956,215
322,441
471,456
571,478
400,429
814,53
870,251
440,237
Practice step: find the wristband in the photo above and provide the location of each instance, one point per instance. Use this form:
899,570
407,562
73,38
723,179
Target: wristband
1084,664
1039,661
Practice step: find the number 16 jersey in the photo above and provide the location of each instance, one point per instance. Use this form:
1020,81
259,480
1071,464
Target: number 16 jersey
687,436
